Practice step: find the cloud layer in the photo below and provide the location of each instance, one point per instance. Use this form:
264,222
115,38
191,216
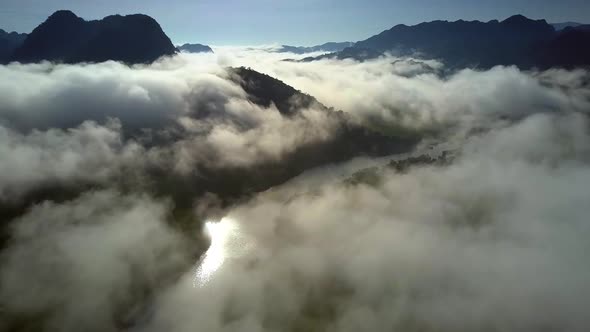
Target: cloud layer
423,94
493,240
86,264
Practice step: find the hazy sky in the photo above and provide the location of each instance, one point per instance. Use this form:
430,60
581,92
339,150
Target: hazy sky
300,22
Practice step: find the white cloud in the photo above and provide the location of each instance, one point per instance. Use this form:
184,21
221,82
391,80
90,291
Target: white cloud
493,241
88,154
85,264
486,243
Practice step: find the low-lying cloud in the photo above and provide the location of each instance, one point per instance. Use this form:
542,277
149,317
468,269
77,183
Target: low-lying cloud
493,239
88,263
422,94
89,153
92,123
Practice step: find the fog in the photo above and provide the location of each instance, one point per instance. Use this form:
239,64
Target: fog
75,124
82,264
492,239
485,244
422,94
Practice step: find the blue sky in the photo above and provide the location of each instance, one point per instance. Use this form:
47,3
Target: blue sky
295,22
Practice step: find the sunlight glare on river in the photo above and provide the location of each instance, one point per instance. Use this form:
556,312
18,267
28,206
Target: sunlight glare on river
219,233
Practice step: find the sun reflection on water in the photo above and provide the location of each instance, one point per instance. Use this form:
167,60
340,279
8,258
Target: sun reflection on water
219,233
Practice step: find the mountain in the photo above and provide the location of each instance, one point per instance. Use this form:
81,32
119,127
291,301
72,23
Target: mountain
561,26
65,37
327,47
467,43
195,48
516,41
9,42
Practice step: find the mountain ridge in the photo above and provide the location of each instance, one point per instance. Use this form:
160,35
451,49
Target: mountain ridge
517,40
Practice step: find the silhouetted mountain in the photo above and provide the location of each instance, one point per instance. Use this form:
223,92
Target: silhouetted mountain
195,48
561,26
463,43
516,41
327,47
65,37
8,43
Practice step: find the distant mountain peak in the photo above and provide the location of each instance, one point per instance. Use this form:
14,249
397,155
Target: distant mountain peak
65,37
518,18
522,20
63,15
